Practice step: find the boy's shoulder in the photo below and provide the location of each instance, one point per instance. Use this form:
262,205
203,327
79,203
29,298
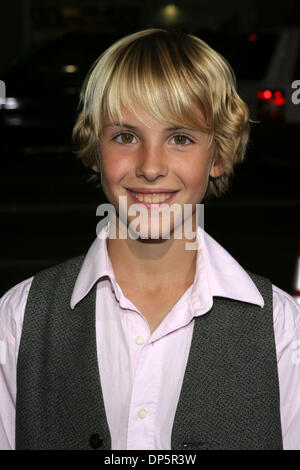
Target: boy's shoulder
13,302
286,311
67,265
20,291
282,300
59,276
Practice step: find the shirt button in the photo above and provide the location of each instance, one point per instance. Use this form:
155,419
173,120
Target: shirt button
142,413
139,340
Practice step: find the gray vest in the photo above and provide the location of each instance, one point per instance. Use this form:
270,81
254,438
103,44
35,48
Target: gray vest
230,393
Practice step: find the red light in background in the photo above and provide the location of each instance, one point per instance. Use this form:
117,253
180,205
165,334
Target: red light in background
260,94
275,97
278,99
267,94
264,95
252,37
278,94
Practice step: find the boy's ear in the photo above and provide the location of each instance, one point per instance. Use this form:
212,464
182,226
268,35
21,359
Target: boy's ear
95,167
217,168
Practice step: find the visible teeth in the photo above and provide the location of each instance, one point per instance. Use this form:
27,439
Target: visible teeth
152,197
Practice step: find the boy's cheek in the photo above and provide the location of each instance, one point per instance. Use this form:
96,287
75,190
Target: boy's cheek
114,167
111,189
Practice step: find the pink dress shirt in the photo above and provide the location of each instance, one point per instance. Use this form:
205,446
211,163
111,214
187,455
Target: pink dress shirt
141,373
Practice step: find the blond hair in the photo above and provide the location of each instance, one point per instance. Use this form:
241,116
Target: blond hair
166,72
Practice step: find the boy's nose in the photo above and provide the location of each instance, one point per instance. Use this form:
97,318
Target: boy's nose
151,163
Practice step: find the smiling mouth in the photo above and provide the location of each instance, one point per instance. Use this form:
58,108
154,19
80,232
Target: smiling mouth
152,198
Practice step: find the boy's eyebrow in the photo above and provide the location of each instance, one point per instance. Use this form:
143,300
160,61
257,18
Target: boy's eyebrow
116,124
129,126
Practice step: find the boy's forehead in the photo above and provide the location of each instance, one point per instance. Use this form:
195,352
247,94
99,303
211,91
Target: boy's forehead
136,114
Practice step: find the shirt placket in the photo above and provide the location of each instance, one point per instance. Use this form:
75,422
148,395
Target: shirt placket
147,361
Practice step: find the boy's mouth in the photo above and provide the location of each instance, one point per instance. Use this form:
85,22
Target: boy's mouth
151,196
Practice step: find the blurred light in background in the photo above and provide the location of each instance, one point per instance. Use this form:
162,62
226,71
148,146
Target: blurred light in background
171,14
11,103
70,68
2,92
70,11
275,97
253,37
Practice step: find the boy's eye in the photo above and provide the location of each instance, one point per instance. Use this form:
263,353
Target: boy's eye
181,139
125,138
128,138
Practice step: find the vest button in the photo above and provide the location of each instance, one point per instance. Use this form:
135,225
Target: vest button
95,441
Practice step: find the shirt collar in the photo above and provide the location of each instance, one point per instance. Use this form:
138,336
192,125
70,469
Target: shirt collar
226,277
96,265
216,269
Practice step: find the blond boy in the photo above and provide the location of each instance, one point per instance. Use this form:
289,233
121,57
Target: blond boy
142,343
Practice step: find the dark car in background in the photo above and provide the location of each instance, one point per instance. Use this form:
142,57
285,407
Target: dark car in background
42,94
265,64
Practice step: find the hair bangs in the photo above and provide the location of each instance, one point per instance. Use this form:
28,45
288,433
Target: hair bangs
151,79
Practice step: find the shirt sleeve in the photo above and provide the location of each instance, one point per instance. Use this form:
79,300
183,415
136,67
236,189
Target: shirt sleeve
12,308
286,314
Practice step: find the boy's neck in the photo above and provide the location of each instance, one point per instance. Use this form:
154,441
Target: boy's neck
152,265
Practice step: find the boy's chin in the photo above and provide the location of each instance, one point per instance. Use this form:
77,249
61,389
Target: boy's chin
153,232
156,228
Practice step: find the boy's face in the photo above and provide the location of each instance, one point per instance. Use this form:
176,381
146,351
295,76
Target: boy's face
136,158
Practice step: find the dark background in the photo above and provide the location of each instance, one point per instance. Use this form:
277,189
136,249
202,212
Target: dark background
47,205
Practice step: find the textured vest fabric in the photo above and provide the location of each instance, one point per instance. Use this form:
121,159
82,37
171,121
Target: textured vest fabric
230,392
